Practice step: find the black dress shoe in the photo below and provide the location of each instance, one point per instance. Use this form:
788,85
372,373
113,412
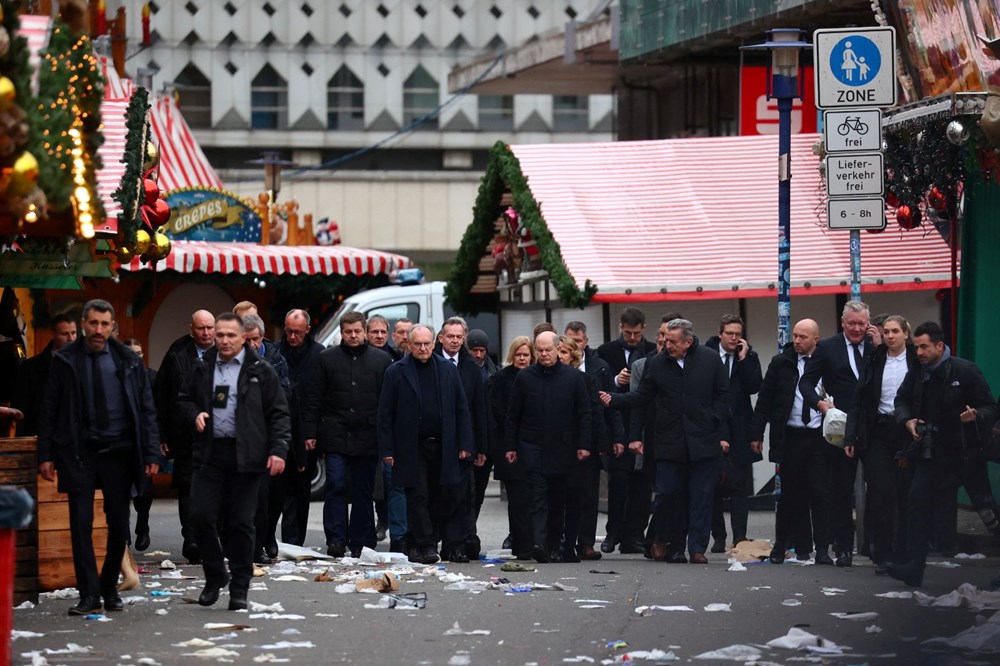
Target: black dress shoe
508,543
141,541
428,555
271,548
540,554
777,555
569,555
355,553
112,602
190,552
456,556
911,573
823,557
882,568
472,548
238,600
395,545
845,560
631,547
608,545
86,606
210,594
676,557
555,555
335,550
261,557
719,546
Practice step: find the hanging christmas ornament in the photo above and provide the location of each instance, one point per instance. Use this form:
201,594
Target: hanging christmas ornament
937,199
891,199
125,255
142,241
24,175
156,215
875,230
152,156
908,217
7,92
150,191
162,246
957,133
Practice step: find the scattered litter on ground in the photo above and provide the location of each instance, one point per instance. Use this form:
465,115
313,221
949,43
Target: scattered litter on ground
735,565
791,602
750,551
276,616
288,578
474,586
97,617
24,605
945,564
15,634
738,652
516,566
591,606
287,551
796,562
403,600
287,645
617,645
755,588
579,659
646,611
269,657
64,593
291,631
460,659
965,596
609,573
276,607
225,626
591,601
456,630
857,617
177,574
153,583
212,653
195,642
873,629
970,556
718,608
653,655
833,591
167,565
164,593
156,553
896,594
161,611
798,639
982,638
327,614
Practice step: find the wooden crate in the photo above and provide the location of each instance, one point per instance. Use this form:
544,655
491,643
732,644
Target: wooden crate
44,549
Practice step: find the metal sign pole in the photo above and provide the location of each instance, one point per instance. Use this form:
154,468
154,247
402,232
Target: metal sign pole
855,265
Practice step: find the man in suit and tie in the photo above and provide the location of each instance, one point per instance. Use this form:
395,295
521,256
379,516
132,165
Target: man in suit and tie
628,488
839,362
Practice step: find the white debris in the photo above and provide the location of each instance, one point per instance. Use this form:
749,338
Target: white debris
167,565
147,661
71,648
64,593
212,653
873,629
474,586
982,638
287,551
797,639
456,630
276,607
218,626
286,645
276,616
161,611
132,601
579,659
655,655
857,617
268,657
24,605
648,610
944,564
591,606
15,634
967,556
591,601
718,608
737,652
833,591
327,614
800,563
292,578
735,565
965,596
291,631
195,642
452,577
791,602
755,588
904,594
460,659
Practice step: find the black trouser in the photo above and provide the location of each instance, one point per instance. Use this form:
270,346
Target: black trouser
295,512
183,466
737,486
887,486
113,474
843,472
547,498
482,479
629,498
432,509
217,488
805,478
581,510
143,502
519,517
269,500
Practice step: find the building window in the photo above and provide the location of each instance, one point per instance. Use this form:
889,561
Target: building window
268,100
345,101
496,113
194,94
420,96
569,113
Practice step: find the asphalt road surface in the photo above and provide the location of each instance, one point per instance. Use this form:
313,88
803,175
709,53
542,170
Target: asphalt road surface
597,618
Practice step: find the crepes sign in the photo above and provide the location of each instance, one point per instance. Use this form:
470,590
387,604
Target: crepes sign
206,214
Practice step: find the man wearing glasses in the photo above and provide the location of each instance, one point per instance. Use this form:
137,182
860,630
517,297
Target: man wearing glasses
301,353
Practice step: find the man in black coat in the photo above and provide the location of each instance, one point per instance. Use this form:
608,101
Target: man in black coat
609,440
424,435
743,368
33,374
948,411
549,434
451,340
838,363
301,353
797,448
235,404
339,420
873,435
98,429
690,392
177,437
628,487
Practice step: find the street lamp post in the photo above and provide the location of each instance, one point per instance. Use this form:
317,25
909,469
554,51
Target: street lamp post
784,85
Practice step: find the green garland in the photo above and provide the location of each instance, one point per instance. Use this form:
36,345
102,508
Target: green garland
502,172
129,193
14,65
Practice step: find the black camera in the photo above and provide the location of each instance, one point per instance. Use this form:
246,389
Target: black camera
926,431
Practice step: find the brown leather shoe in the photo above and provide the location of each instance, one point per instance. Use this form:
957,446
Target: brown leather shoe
588,553
698,558
659,551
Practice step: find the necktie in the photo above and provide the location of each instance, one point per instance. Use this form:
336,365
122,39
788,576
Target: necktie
97,389
729,364
454,360
857,358
806,409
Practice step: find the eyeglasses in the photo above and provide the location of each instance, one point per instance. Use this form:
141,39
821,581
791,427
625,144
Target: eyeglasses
292,333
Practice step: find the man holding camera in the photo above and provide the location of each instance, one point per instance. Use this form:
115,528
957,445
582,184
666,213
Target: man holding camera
947,409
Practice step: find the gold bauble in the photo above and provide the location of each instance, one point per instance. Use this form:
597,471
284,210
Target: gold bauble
7,92
162,246
152,157
125,254
25,174
142,241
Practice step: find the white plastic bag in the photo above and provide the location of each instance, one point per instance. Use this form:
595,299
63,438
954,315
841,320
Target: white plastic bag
834,425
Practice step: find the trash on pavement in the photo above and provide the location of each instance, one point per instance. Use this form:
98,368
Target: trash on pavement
288,551
195,642
579,659
736,565
456,630
591,601
609,573
646,611
156,553
24,605
618,644
276,616
718,608
755,588
896,594
873,629
98,617
944,565
288,578
276,607
982,638
738,652
797,639
965,596
791,602
857,617
15,634
516,566
968,556
833,591
474,586
652,655
225,626
167,565
285,645
750,551
63,593
269,657
401,600
212,653
384,582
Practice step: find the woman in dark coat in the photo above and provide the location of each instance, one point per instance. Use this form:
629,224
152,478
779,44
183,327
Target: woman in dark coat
520,355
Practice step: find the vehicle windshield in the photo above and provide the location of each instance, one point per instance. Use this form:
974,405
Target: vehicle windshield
334,321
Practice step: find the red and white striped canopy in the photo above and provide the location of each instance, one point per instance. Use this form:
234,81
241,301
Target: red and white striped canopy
252,259
700,217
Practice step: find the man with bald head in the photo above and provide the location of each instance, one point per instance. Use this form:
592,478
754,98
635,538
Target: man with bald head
548,434
301,353
797,448
176,434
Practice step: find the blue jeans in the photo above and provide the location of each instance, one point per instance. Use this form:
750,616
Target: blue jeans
694,482
361,529
396,500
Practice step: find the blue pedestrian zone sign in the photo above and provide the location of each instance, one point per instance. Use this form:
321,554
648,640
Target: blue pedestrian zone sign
855,67
855,61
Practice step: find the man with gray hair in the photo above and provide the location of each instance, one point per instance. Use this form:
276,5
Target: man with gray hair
690,391
838,363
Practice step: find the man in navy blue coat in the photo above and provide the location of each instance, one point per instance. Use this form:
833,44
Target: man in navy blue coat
424,431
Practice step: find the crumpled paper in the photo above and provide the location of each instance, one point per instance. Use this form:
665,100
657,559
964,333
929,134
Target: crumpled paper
965,596
857,617
736,652
797,639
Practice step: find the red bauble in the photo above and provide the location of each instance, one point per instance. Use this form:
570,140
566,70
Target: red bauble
891,199
151,191
156,215
875,231
908,217
937,199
